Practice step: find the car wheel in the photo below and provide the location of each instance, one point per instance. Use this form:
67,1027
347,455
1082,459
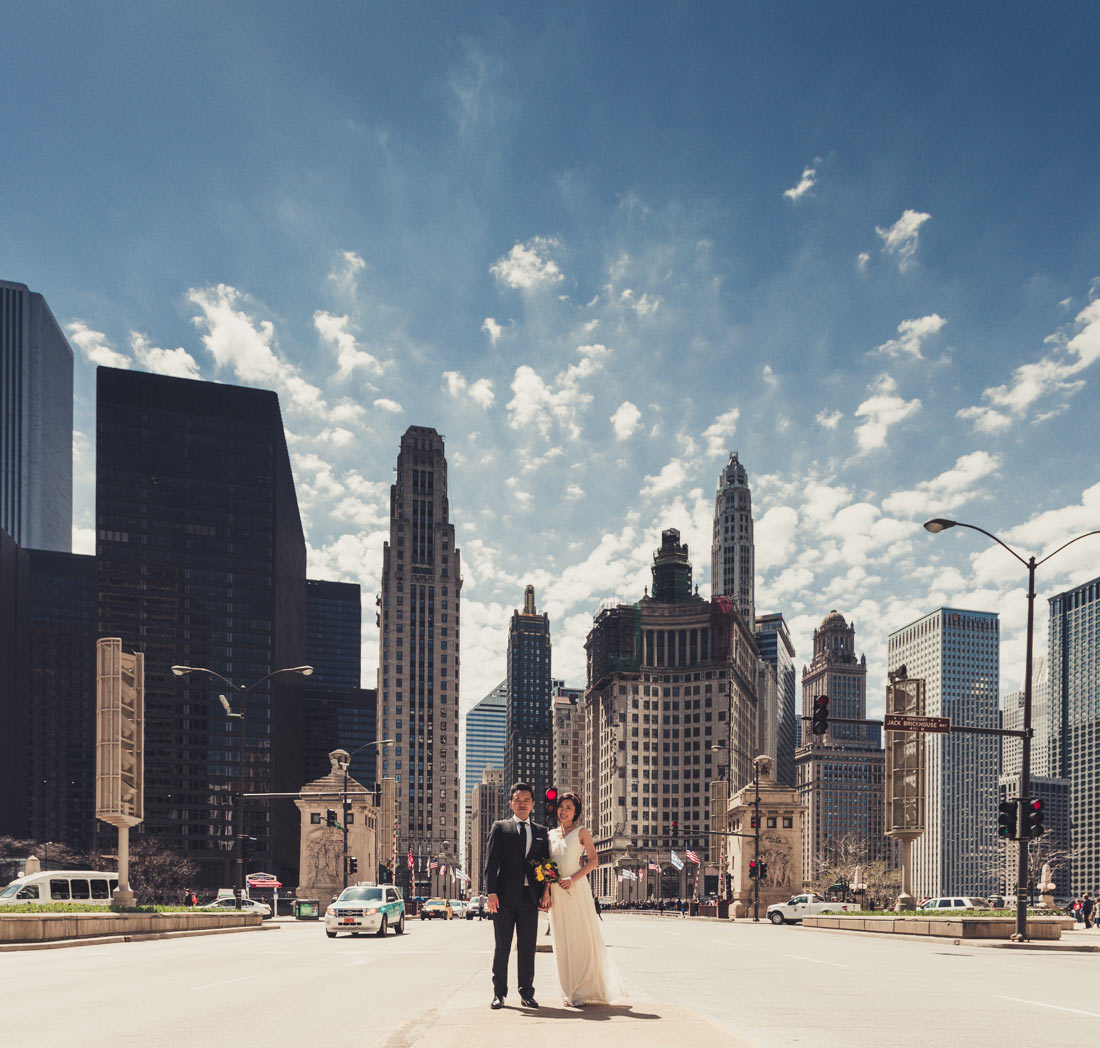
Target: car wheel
399,927
331,935
776,917
381,933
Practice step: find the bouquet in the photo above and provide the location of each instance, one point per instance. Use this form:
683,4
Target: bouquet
546,871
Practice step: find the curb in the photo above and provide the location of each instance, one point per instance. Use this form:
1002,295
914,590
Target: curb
102,940
985,944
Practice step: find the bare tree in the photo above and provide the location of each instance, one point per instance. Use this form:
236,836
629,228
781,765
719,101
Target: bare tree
1002,862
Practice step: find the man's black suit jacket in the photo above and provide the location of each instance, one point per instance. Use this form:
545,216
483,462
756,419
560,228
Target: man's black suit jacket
508,872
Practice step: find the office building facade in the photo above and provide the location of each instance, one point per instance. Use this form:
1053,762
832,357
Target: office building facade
956,653
36,423
568,742
840,775
1073,660
201,562
669,707
776,648
733,554
486,735
487,804
14,742
418,665
527,753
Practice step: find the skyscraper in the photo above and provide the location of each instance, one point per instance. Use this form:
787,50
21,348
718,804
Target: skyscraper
14,742
732,555
774,642
201,562
530,726
1074,661
568,748
670,707
36,422
418,665
956,652
840,775
334,630
486,735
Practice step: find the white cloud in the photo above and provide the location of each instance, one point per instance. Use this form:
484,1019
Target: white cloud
1052,375
524,267
625,420
574,492
911,333
883,409
672,476
644,306
349,357
479,391
902,237
520,496
536,403
805,184
246,346
95,347
769,376
861,260
950,489
773,537
346,271
385,404
337,436
347,412
176,362
84,541
493,329
829,419
716,433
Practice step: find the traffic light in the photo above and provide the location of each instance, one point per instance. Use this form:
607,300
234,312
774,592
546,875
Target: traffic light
675,826
248,846
753,823
763,871
378,795
353,864
330,817
552,804
1008,820
820,724
752,867
1034,810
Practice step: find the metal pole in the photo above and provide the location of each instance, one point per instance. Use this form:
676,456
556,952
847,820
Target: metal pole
238,807
344,824
756,846
1025,765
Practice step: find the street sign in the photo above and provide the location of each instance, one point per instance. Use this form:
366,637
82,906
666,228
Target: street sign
907,722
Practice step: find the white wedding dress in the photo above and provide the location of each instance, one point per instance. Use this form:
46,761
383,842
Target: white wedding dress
584,971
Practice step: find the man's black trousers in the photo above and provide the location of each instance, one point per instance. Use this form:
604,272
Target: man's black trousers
523,919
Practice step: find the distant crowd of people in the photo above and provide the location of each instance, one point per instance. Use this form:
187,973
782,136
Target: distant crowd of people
1081,909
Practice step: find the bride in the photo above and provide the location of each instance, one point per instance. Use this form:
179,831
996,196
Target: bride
583,968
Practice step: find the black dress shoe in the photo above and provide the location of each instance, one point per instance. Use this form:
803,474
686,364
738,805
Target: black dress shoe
498,1002
529,1002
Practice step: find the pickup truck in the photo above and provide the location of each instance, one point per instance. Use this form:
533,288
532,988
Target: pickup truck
807,905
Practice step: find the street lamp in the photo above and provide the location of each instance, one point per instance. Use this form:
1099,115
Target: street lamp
238,801
935,526
345,764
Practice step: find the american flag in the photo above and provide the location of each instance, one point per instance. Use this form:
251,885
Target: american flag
692,857
654,866
433,865
410,858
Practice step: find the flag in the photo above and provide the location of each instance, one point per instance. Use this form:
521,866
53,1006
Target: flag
443,870
433,865
677,861
619,876
653,866
692,856
411,858
641,874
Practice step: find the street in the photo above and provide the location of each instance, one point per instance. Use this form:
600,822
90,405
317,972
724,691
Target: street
693,981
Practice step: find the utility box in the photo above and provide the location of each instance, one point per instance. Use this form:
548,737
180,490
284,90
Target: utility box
307,910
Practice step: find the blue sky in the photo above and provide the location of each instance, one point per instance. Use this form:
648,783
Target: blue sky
598,246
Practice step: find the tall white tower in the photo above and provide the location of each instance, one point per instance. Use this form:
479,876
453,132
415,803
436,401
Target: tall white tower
732,556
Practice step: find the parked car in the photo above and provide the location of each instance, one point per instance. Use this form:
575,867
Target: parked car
366,908
478,907
806,905
434,909
957,902
228,903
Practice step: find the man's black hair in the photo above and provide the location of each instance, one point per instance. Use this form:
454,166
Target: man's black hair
516,786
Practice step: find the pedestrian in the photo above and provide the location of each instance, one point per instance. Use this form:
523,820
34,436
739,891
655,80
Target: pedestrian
1077,910
1086,910
596,900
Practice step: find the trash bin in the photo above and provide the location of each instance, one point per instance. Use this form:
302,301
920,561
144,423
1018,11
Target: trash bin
307,910
723,909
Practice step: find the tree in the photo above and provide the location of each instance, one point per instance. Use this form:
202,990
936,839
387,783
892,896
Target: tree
845,857
1040,851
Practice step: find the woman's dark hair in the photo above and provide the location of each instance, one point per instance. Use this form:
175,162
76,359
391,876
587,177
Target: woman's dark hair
578,807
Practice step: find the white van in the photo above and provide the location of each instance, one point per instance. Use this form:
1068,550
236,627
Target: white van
84,886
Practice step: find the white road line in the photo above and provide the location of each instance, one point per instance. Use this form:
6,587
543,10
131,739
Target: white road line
1056,1007
815,960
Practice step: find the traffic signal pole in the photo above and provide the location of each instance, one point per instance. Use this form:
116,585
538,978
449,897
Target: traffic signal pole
1025,765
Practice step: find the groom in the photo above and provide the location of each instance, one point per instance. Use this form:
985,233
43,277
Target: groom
515,893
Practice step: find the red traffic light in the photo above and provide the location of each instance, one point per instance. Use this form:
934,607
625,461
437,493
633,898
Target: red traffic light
551,794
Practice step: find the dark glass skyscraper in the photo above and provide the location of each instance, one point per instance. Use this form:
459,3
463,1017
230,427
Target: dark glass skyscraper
201,562
774,643
36,422
528,752
14,603
334,633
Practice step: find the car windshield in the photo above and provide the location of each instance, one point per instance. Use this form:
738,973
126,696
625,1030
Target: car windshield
11,889
361,895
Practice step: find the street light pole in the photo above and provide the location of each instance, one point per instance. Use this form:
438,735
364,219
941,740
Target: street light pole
935,526
756,843
238,800
344,813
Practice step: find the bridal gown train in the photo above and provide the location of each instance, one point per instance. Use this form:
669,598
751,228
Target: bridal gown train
584,970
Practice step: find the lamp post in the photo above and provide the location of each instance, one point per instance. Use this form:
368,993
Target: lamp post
238,800
935,526
756,841
344,814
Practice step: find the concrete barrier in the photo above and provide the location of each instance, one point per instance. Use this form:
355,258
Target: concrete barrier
50,927
947,927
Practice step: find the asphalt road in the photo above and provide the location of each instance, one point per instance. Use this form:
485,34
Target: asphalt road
688,981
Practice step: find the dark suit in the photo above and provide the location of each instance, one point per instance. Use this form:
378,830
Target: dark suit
510,877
